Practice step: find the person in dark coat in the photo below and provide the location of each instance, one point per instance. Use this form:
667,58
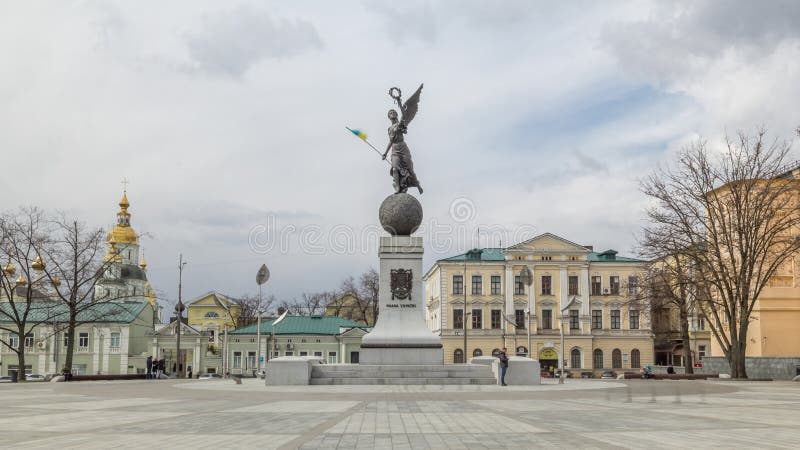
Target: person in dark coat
503,366
149,374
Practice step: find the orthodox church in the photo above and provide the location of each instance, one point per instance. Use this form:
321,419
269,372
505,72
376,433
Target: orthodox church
124,275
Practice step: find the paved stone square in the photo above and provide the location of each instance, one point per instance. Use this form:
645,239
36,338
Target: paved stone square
220,414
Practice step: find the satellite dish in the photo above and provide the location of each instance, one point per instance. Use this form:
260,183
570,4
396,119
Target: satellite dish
263,275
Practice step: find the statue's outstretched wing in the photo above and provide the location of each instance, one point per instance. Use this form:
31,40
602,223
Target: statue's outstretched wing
410,106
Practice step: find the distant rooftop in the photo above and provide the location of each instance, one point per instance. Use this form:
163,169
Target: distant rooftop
315,325
498,254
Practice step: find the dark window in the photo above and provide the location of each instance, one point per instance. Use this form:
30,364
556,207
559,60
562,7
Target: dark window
573,285
522,351
575,359
83,340
458,284
547,319
615,320
597,359
477,319
519,286
547,287
458,356
519,319
496,352
634,319
701,351
477,352
458,319
574,323
28,340
597,319
496,319
614,285
616,359
596,285
633,285
477,285
495,284
635,359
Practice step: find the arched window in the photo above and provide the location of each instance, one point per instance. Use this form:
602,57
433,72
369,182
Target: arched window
522,351
616,359
575,359
212,315
597,359
477,352
635,359
458,356
496,352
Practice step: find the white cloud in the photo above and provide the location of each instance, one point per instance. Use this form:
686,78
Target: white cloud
543,116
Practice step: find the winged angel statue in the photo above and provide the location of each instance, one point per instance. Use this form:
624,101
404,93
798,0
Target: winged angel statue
402,171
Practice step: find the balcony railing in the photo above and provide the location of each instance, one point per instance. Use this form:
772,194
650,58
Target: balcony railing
82,349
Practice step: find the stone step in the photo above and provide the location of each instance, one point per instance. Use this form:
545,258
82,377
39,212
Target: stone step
439,372
402,381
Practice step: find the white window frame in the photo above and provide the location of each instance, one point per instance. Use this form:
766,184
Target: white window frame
115,338
13,340
333,358
237,360
251,360
83,338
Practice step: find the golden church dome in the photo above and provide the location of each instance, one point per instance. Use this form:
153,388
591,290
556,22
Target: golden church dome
56,281
113,253
122,233
9,269
21,281
143,263
38,264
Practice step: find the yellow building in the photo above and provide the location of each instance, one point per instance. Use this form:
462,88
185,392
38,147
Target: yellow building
212,313
591,294
774,329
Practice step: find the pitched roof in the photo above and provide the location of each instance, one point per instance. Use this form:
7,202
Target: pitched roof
611,256
480,254
318,325
223,300
106,312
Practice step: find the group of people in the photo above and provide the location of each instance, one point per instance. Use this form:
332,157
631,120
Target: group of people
155,367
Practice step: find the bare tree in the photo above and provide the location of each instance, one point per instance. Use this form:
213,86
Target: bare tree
735,221
23,305
669,283
364,293
251,307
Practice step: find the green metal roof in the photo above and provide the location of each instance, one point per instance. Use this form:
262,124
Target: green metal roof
498,254
318,325
611,256
480,254
121,312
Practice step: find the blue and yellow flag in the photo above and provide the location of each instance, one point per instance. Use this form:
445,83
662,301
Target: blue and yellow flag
359,133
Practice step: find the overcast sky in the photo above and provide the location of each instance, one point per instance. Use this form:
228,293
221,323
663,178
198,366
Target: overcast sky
228,119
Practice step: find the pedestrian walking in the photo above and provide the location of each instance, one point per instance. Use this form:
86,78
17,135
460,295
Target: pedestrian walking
503,366
149,375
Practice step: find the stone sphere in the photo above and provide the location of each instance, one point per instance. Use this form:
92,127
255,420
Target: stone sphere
400,214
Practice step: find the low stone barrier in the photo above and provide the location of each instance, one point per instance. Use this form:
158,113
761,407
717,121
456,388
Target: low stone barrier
673,376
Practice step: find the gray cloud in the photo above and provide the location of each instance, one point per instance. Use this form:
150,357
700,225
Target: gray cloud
231,42
678,37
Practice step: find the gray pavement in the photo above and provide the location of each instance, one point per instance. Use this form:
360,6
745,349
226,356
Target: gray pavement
220,414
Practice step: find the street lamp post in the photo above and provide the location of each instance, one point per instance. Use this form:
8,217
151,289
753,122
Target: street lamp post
563,357
464,315
526,276
179,315
261,277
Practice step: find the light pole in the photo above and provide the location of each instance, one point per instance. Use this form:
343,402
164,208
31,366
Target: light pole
179,315
562,356
261,277
526,276
464,316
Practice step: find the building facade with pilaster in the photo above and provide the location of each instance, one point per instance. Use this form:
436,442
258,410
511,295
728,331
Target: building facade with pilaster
593,298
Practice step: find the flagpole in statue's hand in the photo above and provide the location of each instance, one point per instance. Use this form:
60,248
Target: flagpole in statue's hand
363,137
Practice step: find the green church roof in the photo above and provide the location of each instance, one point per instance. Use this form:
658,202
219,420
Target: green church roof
317,325
52,311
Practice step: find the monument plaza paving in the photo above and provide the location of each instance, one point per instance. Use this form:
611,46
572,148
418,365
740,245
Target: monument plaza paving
220,414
